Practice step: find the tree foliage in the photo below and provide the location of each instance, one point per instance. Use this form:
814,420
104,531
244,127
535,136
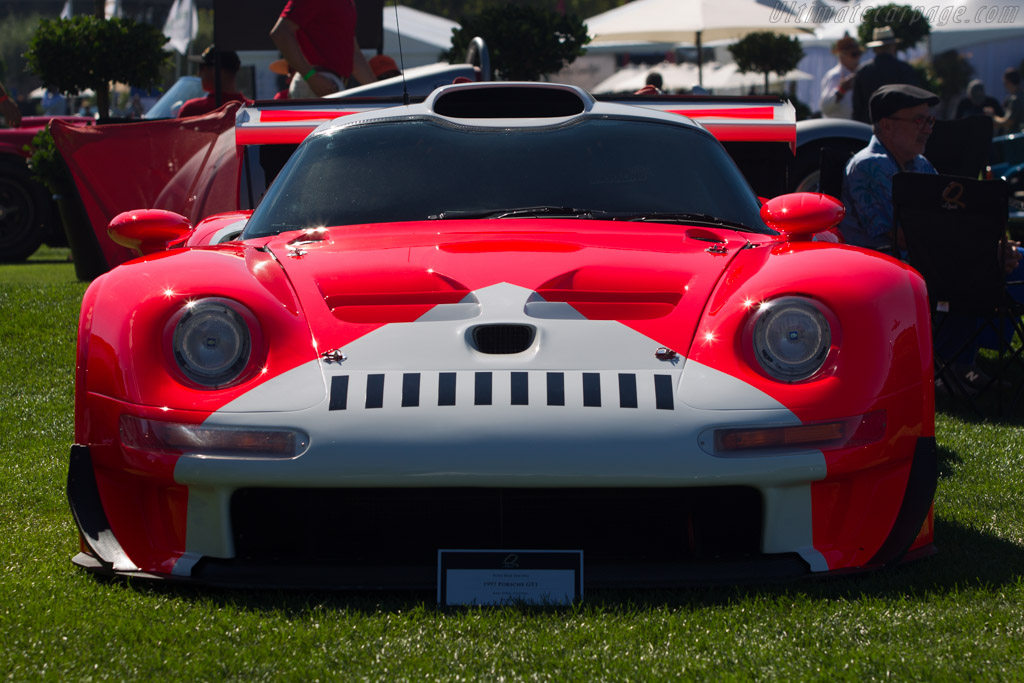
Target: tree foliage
72,55
908,24
765,52
524,42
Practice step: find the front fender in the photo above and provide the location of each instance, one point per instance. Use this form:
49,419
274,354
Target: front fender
127,318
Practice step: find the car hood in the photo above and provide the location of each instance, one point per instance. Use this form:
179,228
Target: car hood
654,278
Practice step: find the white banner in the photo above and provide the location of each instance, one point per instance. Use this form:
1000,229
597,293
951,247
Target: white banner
182,25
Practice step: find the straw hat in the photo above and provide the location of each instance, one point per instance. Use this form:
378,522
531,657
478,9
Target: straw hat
883,35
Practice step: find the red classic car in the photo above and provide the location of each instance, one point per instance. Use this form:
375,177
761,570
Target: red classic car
28,217
506,317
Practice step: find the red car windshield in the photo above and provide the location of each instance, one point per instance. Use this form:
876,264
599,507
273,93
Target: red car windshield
420,169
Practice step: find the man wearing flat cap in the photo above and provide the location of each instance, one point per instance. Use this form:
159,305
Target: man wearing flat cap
901,121
885,69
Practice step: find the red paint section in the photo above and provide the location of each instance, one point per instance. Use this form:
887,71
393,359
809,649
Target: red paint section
189,166
128,355
281,115
692,290
658,283
279,135
728,113
854,508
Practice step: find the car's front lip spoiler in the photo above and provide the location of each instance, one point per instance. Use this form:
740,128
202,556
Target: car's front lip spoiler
917,501
107,556
87,509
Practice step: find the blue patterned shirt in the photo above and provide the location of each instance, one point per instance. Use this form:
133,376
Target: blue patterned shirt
867,195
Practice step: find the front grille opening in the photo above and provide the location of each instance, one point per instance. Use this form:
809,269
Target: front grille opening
503,339
406,527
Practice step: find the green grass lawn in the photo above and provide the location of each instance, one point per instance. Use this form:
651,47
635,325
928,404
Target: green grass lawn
955,616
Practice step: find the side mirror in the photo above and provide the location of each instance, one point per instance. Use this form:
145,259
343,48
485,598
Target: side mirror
802,214
149,231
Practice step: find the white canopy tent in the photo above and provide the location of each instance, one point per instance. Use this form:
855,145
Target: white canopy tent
423,36
693,22
720,78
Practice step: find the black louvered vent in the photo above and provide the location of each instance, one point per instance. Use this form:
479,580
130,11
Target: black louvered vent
502,339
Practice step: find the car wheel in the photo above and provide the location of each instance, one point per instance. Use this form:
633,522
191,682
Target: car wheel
22,210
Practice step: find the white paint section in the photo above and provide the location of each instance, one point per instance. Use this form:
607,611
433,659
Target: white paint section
183,565
709,389
787,523
299,388
209,522
504,444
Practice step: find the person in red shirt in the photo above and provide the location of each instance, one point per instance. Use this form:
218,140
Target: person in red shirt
229,66
318,36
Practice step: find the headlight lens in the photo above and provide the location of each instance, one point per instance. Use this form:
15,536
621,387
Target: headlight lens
791,339
212,343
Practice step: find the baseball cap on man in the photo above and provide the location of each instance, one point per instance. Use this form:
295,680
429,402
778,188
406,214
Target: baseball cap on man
383,66
229,60
889,99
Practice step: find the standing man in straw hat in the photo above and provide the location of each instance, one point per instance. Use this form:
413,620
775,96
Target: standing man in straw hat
836,98
885,69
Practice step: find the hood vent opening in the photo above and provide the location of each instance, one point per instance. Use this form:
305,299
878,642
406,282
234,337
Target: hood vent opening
503,338
509,102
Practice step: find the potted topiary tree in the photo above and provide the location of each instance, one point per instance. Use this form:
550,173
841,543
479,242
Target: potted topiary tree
525,42
72,55
765,53
88,52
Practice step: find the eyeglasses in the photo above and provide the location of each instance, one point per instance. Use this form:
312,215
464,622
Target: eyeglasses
921,120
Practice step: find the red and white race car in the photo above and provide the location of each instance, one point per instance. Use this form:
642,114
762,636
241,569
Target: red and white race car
507,317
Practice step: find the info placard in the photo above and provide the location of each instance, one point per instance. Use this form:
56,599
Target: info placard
500,577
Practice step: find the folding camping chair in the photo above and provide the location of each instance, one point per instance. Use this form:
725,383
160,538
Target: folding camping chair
955,231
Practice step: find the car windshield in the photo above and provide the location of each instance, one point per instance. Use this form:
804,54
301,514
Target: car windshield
421,169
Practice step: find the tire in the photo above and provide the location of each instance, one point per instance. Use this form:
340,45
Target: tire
24,208
803,176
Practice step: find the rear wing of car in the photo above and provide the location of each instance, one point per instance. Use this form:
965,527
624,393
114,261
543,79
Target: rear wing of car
288,122
730,119
758,132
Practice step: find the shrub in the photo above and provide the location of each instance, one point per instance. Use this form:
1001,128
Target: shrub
765,52
72,55
524,42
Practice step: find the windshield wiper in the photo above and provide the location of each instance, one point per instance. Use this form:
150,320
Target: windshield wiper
670,217
520,212
572,212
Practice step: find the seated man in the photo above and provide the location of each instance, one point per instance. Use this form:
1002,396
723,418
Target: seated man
229,67
901,123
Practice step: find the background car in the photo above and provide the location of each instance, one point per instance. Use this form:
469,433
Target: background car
28,216
508,317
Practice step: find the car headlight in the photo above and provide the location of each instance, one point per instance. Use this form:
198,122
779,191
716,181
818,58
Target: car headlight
212,343
791,338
